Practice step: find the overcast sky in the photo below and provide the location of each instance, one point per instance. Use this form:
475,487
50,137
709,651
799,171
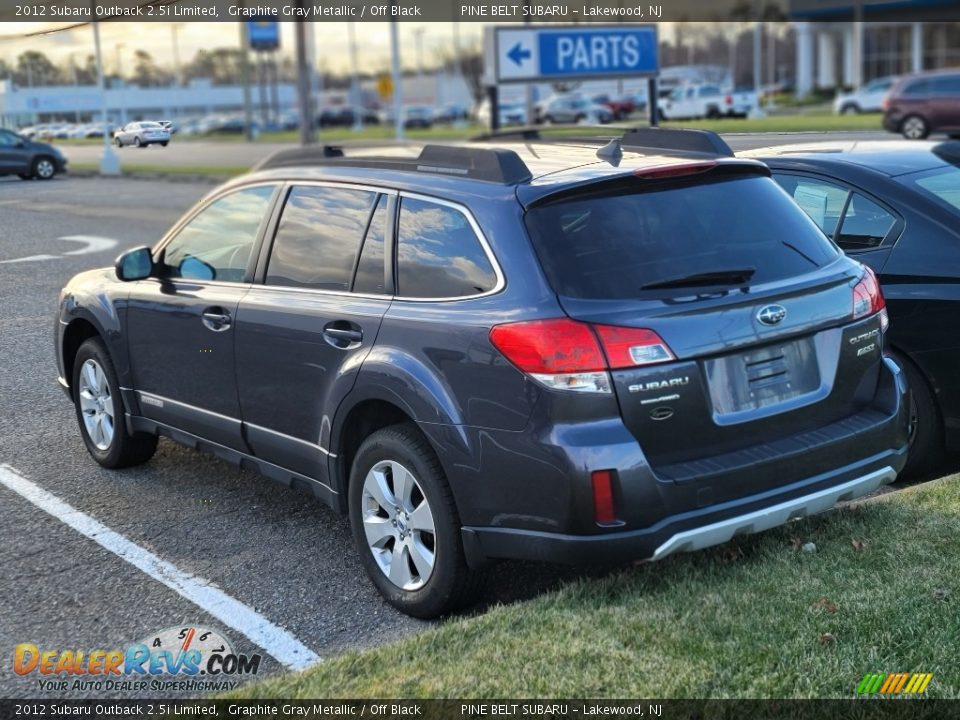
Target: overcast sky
373,41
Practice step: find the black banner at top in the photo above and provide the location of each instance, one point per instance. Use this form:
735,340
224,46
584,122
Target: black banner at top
478,11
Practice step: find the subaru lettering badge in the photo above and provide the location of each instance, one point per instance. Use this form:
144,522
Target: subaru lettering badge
771,314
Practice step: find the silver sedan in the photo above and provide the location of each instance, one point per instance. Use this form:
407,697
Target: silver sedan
141,134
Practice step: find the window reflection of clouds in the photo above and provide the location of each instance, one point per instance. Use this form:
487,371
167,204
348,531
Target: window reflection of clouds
319,236
439,254
222,235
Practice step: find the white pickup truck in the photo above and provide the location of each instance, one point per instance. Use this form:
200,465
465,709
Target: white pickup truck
689,102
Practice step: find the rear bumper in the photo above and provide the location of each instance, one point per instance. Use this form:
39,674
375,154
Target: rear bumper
691,531
807,474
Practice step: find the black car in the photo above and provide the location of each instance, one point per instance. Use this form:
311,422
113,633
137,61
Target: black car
895,206
545,352
28,158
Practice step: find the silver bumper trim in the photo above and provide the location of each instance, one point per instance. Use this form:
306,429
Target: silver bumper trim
766,518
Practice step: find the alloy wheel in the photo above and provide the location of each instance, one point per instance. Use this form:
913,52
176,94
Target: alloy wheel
914,128
398,524
96,404
45,169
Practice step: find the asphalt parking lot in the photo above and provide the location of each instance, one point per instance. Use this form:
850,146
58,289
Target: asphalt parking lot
277,553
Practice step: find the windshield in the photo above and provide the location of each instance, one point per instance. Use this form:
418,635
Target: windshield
610,246
942,184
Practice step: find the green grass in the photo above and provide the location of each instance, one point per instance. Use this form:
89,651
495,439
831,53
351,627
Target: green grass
135,168
786,123
754,618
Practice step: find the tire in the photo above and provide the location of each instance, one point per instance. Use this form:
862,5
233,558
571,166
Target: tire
850,109
164,144
926,427
96,393
43,168
401,451
914,127
119,142
137,143
713,113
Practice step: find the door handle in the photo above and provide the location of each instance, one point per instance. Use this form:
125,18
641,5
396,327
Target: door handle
343,335
216,319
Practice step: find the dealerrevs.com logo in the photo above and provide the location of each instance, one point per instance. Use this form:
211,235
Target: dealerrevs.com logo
179,659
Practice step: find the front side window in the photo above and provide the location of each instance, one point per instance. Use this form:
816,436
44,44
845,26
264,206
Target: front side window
941,184
319,236
216,244
822,201
439,254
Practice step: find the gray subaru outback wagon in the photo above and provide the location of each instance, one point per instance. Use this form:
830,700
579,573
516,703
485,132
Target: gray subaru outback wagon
569,350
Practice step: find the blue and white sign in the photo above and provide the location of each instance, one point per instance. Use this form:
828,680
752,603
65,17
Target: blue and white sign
263,34
582,51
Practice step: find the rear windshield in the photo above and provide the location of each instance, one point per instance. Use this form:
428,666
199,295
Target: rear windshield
609,246
942,184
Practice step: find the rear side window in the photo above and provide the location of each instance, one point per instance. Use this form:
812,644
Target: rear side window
865,224
611,246
917,87
319,236
438,253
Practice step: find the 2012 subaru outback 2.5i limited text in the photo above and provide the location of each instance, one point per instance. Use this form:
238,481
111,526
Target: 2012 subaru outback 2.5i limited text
551,352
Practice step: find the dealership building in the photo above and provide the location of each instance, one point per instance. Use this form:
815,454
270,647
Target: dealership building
843,43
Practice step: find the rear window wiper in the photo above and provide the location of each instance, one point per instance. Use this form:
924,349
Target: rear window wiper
733,276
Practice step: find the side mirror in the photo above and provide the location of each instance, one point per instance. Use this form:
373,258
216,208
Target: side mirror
135,264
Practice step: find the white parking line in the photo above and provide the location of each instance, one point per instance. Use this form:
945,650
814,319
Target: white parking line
279,643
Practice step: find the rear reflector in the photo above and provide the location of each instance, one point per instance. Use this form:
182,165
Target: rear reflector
565,354
867,296
603,511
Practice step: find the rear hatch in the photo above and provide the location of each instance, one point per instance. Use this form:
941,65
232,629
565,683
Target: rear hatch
727,318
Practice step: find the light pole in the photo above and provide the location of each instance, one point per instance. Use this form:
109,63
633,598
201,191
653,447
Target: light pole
122,88
397,80
109,162
174,29
354,80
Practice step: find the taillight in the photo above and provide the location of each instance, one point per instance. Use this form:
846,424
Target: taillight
630,347
868,298
728,100
603,510
564,354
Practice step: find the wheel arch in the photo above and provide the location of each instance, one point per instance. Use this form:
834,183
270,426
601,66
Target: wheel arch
77,332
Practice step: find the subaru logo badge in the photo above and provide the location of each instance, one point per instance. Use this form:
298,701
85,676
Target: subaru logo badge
771,314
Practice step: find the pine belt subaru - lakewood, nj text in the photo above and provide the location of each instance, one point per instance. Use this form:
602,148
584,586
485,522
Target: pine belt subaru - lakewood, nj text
513,348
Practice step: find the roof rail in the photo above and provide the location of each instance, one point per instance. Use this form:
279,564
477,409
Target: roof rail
704,142
497,165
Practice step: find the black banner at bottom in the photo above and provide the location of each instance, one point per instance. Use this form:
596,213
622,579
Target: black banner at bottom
865,709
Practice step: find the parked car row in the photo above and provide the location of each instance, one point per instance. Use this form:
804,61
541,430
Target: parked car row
655,345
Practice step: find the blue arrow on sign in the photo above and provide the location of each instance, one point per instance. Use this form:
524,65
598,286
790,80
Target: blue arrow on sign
518,54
